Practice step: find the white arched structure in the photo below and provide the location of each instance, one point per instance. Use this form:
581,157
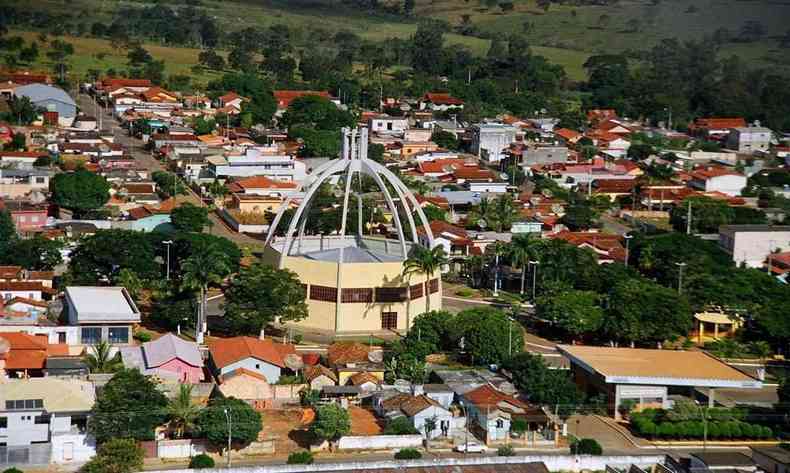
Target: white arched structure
353,160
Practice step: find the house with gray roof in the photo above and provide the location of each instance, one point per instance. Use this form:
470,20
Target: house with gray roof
168,357
50,99
102,314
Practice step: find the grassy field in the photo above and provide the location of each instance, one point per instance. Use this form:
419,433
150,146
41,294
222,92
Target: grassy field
566,34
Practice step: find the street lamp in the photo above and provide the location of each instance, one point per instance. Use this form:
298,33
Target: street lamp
680,276
227,416
704,416
168,243
534,265
627,238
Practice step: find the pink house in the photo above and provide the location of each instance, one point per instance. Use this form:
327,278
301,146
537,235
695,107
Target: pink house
168,357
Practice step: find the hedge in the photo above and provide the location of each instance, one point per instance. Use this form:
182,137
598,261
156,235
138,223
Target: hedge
696,429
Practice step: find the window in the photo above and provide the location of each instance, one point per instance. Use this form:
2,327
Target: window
433,286
24,404
119,335
44,419
391,294
500,424
40,180
416,291
61,337
91,335
357,295
323,293
3,422
389,320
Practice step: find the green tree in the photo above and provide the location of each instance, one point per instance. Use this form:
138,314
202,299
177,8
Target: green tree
586,447
99,359
489,336
707,215
303,457
579,216
376,152
22,111
445,139
201,461
522,250
8,236
59,51
189,218
262,294
198,272
99,258
427,48
331,422
399,426
118,455
422,260
80,191
576,312
176,311
432,213
182,411
316,112
545,386
211,59
245,422
129,406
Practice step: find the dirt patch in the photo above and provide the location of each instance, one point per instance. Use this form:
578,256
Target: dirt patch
287,428
364,422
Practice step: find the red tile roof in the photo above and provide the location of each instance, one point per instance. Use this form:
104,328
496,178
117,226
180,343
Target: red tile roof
341,353
10,272
439,227
30,351
567,133
474,174
22,154
361,378
714,171
285,97
442,98
437,201
259,182
488,396
230,350
717,123
23,286
121,82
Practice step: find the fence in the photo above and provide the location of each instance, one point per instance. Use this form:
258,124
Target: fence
30,455
180,448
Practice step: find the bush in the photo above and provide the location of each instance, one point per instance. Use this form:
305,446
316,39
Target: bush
13,470
201,461
519,426
766,432
464,293
505,451
408,454
586,447
142,336
400,426
304,457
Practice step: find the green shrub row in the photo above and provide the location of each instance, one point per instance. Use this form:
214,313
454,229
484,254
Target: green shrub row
696,429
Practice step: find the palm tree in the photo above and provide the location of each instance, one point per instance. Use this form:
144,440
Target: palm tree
426,261
100,360
481,211
199,270
182,411
503,213
522,251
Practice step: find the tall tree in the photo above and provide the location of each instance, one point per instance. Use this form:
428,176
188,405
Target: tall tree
550,387
130,405
262,294
101,360
331,422
522,250
198,272
245,422
189,218
425,261
183,411
80,191
427,48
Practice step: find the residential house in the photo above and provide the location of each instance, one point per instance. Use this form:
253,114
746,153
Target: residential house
715,127
491,412
386,124
263,186
264,357
529,155
717,179
58,106
232,100
27,216
34,290
46,418
350,358
607,247
480,180
454,240
21,159
168,357
15,183
247,385
779,265
318,376
599,115
749,139
27,354
613,188
418,409
440,102
751,244
491,140
258,161
568,136
365,381
408,149
102,313
285,97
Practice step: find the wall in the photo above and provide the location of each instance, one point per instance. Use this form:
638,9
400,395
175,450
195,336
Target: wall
72,448
180,448
753,247
574,463
375,442
72,333
239,227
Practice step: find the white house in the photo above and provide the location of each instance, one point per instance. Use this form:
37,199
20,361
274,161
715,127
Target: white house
751,244
492,411
388,124
102,313
490,140
718,179
418,409
49,411
749,139
263,357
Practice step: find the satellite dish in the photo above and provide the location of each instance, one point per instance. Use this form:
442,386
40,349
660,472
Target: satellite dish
482,224
376,356
293,362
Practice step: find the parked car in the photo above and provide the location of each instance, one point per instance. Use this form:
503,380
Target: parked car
472,447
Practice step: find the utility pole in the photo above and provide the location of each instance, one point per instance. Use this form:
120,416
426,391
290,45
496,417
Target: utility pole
534,265
680,276
168,243
227,416
688,220
770,253
627,238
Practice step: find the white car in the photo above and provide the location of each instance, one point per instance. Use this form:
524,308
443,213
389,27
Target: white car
471,448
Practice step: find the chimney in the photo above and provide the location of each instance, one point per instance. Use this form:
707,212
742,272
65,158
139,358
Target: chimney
262,334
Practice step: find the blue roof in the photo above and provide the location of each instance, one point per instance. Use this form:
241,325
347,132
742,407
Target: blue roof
39,92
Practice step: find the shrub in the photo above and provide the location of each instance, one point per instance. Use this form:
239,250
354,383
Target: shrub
519,426
713,430
304,457
400,426
586,447
408,454
464,293
142,336
766,432
736,431
12,470
505,451
201,461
